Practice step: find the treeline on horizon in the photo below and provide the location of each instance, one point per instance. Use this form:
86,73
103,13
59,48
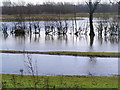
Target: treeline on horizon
56,8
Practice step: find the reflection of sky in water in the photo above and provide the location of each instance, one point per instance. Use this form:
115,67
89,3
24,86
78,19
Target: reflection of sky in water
68,43
58,43
60,65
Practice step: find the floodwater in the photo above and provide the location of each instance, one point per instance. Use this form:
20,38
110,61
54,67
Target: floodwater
59,65
68,42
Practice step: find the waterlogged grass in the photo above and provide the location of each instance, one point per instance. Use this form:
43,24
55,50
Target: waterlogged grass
63,15
51,17
32,20
89,54
18,81
42,17
47,15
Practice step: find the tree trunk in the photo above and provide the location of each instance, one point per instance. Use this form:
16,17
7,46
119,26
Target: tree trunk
91,24
91,40
91,19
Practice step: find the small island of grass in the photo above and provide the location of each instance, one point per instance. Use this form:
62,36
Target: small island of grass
89,54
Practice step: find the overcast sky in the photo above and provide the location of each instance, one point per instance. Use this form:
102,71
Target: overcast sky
41,1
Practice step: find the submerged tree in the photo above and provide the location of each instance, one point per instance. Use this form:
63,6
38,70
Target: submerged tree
92,7
117,2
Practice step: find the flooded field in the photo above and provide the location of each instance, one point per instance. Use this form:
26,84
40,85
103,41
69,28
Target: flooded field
59,44
59,65
76,38
66,42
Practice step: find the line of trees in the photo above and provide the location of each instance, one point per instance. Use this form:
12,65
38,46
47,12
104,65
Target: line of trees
55,8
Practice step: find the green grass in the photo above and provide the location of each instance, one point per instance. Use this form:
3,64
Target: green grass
89,54
18,81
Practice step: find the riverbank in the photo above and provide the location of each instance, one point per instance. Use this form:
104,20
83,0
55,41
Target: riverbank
87,54
25,81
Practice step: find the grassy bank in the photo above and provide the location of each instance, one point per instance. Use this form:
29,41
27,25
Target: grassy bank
32,20
64,15
18,81
89,54
51,17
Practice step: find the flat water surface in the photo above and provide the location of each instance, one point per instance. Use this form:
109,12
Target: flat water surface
59,65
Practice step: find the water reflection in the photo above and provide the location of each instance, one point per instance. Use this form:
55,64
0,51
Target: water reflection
49,37
92,62
30,37
114,39
37,38
5,36
21,39
62,38
69,41
111,39
100,39
91,41
60,42
66,65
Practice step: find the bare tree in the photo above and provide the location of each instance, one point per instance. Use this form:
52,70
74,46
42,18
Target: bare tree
76,32
53,8
92,7
116,2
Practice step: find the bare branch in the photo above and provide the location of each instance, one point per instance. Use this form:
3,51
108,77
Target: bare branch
116,2
95,6
87,4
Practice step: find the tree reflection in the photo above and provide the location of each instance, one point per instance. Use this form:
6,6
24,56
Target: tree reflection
113,39
91,41
105,38
92,61
36,38
62,37
5,36
100,39
49,37
30,37
20,39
